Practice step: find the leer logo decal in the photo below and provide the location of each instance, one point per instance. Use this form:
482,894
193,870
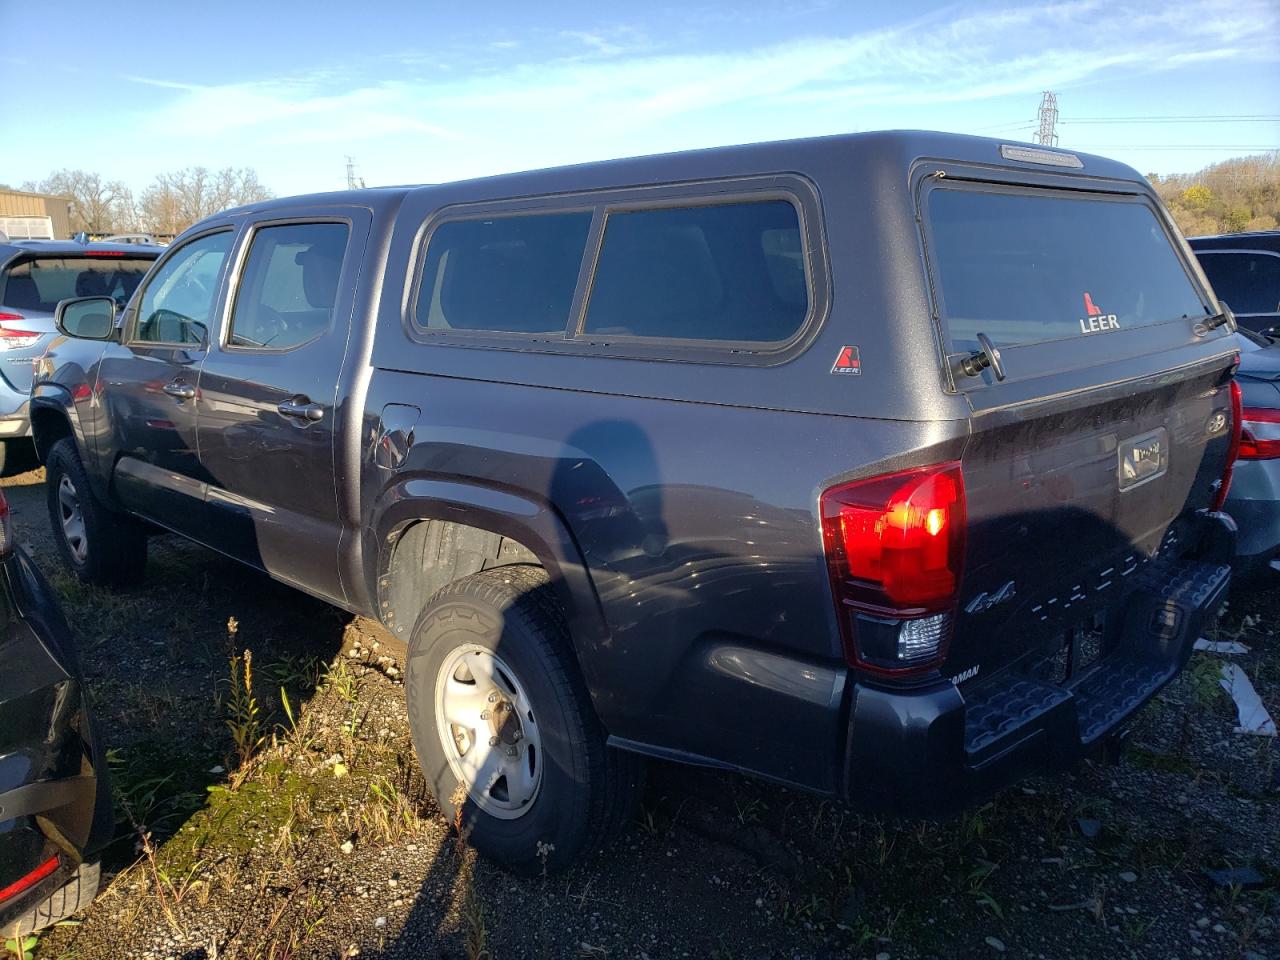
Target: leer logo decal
1096,320
848,362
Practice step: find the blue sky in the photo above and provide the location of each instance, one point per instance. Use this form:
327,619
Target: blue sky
423,92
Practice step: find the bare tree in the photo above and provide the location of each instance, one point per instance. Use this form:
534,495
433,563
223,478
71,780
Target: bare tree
176,200
97,206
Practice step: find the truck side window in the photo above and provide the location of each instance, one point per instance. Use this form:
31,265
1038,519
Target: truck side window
179,298
722,272
288,285
508,274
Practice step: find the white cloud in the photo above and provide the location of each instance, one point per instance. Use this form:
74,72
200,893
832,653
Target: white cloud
502,109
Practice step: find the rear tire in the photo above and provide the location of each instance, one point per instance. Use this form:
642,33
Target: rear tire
573,790
98,545
72,897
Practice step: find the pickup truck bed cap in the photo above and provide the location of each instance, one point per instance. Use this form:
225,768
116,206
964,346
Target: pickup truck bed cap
899,148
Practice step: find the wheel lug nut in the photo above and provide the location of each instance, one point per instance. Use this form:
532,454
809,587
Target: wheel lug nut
511,751
493,741
516,735
493,698
484,714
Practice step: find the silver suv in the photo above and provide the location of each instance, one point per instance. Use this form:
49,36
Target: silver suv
34,276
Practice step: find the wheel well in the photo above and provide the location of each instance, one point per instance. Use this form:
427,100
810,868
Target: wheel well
428,555
47,428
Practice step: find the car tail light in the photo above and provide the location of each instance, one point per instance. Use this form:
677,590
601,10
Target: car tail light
1233,447
30,880
11,316
1259,434
11,338
894,546
6,527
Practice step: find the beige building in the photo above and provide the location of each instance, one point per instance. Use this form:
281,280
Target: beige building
25,214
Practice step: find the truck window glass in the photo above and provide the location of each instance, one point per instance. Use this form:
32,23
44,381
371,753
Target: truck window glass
288,285
178,299
1024,268
512,274
39,283
724,272
1249,280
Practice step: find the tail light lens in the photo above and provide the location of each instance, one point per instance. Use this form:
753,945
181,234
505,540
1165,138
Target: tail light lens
1233,448
895,546
29,880
12,338
1259,434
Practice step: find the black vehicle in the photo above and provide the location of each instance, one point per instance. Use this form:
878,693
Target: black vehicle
55,804
883,465
1244,269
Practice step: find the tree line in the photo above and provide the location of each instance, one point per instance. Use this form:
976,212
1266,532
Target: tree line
171,203
1228,197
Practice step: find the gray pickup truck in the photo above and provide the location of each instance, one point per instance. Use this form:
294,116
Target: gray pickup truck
887,465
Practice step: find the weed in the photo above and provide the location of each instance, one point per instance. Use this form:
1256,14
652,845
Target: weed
1203,678
339,679
23,948
749,810
243,719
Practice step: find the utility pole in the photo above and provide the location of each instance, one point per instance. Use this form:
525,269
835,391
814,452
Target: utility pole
353,182
1048,132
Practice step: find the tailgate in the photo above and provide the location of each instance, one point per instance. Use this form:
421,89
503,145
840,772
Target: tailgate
1112,425
1069,499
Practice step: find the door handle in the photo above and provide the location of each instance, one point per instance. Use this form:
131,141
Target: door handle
300,408
176,388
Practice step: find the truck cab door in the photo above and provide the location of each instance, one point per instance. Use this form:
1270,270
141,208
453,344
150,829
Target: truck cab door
269,385
150,385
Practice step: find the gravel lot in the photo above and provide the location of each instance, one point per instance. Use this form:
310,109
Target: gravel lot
325,845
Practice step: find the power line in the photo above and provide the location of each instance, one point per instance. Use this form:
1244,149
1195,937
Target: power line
1240,118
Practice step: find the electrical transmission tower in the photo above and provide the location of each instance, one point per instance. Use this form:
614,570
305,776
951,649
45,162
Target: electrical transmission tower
353,182
1048,132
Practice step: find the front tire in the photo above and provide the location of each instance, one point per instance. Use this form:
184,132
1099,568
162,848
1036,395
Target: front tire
98,545
503,725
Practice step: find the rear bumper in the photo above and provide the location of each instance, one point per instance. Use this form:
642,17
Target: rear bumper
15,417
937,749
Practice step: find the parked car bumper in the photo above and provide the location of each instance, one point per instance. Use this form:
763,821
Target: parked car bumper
15,406
1254,504
939,748
55,808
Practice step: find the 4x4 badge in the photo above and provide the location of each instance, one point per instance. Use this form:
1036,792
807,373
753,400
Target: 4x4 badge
985,600
847,361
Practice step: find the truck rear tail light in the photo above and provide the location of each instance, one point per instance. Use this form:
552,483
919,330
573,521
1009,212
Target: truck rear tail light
1233,447
22,884
894,546
1259,434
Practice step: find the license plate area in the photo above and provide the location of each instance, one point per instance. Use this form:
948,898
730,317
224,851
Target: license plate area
1142,459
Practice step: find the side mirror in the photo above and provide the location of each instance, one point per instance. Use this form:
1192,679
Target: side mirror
86,318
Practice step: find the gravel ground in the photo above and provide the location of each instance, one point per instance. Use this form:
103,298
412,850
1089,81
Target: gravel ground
325,844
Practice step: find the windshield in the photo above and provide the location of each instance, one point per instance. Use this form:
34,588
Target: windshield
36,285
1024,267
